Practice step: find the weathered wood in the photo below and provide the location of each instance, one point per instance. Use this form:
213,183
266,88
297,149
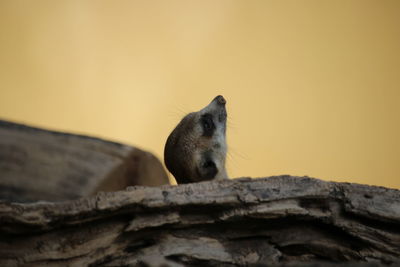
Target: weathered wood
264,221
37,164
50,214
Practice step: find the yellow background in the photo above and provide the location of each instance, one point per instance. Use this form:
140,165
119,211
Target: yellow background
312,86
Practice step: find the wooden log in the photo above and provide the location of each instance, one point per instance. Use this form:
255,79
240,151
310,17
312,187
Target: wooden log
261,222
53,212
37,164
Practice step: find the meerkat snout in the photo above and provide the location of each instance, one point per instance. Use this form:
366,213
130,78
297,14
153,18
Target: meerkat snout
196,149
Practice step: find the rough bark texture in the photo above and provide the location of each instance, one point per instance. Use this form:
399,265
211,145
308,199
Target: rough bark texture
262,222
223,223
37,164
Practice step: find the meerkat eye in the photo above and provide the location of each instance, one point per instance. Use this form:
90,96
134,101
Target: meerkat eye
207,124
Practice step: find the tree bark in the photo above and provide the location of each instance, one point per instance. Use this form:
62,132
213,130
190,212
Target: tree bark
52,213
256,222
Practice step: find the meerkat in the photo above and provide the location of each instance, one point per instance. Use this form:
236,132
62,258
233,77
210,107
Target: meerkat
196,149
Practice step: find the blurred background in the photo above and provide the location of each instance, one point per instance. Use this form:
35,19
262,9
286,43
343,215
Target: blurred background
312,86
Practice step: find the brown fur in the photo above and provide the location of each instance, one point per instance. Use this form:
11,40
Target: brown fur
187,150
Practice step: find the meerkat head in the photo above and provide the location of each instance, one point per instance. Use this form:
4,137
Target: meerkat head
196,149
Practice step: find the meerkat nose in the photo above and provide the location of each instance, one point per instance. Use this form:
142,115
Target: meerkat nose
220,100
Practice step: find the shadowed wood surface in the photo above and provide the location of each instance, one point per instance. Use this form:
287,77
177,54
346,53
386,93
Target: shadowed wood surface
53,212
37,164
276,220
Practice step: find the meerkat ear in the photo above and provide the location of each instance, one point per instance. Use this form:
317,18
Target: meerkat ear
209,169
